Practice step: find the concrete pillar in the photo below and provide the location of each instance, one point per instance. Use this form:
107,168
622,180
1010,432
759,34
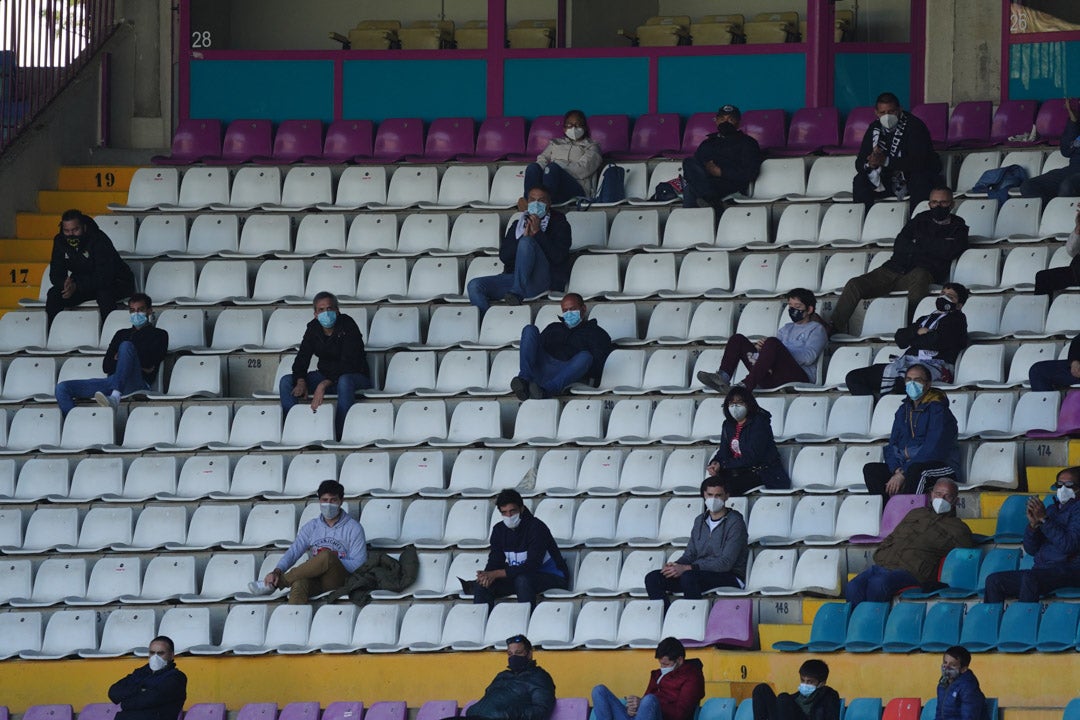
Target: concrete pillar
963,51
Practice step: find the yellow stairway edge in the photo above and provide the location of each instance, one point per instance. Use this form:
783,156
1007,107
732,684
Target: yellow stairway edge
37,225
28,250
91,203
95,177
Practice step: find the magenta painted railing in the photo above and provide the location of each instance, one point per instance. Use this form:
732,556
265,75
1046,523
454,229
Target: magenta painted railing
43,44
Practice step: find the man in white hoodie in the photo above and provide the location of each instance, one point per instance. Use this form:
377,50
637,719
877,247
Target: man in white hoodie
335,542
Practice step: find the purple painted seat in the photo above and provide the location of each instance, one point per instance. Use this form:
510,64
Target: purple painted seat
936,118
4,712
345,141
895,511
969,124
387,710
1013,117
99,711
499,137
767,127
244,140
570,709
437,709
697,127
344,710
1050,121
854,128
446,139
811,130
294,140
258,711
48,712
653,136
206,711
300,711
466,706
1068,418
730,623
542,130
396,138
193,141
611,132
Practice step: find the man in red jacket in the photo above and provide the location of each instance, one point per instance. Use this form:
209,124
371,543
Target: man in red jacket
674,692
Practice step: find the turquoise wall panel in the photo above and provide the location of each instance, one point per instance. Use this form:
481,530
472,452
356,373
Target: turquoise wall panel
704,83
380,89
1042,71
861,77
268,89
599,86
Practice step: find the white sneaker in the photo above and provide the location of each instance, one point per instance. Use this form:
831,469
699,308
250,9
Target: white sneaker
107,400
259,588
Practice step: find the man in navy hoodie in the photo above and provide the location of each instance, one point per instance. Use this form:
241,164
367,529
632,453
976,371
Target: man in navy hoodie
958,694
155,691
524,559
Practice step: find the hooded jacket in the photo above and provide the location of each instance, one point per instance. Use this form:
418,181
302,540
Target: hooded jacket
525,695
962,699
563,342
146,695
723,549
737,155
680,691
758,450
923,431
921,540
93,263
581,158
529,548
1055,543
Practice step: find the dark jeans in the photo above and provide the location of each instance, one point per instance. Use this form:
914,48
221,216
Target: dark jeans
1048,282
106,298
918,478
876,283
561,185
526,586
1049,375
877,584
1028,585
770,706
345,388
1063,182
774,365
549,373
699,184
691,583
531,277
918,185
127,378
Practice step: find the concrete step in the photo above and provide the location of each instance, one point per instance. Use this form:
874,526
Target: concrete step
19,250
90,202
10,296
37,225
770,633
113,178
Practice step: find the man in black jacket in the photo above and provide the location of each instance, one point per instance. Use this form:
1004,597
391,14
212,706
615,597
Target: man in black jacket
814,700
569,349
524,691
535,253
85,266
337,341
922,254
523,559
897,157
933,341
725,162
1047,375
131,361
155,691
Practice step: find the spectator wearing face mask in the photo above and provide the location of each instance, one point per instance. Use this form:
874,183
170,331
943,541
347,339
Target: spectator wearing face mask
567,166
791,356
535,252
747,456
716,554
1052,537
523,691
155,691
674,691
131,361
814,700
922,254
523,560
725,163
896,158
958,693
922,446
910,555
85,266
334,541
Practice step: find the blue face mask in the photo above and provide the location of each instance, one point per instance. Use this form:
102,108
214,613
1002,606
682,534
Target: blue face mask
572,318
914,389
537,208
806,689
327,318
138,319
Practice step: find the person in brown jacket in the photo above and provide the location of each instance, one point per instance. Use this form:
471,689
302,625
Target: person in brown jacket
912,552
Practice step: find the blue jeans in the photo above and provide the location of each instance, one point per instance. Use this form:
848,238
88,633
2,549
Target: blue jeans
561,185
609,707
346,388
700,184
127,378
1049,375
877,584
550,374
531,277
1063,182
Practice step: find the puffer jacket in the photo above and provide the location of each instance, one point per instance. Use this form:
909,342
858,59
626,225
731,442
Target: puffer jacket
581,158
961,699
525,695
1056,542
923,431
921,540
147,695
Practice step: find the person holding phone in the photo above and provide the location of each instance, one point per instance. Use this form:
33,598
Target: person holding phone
897,157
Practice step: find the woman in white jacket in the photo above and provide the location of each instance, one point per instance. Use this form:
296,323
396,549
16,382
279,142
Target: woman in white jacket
568,165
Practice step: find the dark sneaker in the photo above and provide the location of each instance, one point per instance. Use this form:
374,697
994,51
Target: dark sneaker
535,391
714,380
512,299
520,387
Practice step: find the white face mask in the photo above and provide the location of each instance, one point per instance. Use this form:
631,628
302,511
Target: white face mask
1065,494
714,504
329,511
941,505
737,411
575,133
512,521
157,663
666,670
888,121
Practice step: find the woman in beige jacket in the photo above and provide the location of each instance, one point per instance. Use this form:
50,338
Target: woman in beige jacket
568,165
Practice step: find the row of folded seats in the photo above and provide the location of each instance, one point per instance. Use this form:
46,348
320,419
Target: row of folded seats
811,130
769,27
443,34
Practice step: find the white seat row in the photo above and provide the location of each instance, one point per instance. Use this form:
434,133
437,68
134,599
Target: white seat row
1034,162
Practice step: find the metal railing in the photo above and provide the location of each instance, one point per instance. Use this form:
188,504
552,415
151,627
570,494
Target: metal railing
43,45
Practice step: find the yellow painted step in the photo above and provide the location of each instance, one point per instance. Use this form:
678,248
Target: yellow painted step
10,296
981,526
1074,453
810,606
37,225
91,203
1019,713
1041,478
990,503
95,177
15,250
26,275
770,633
